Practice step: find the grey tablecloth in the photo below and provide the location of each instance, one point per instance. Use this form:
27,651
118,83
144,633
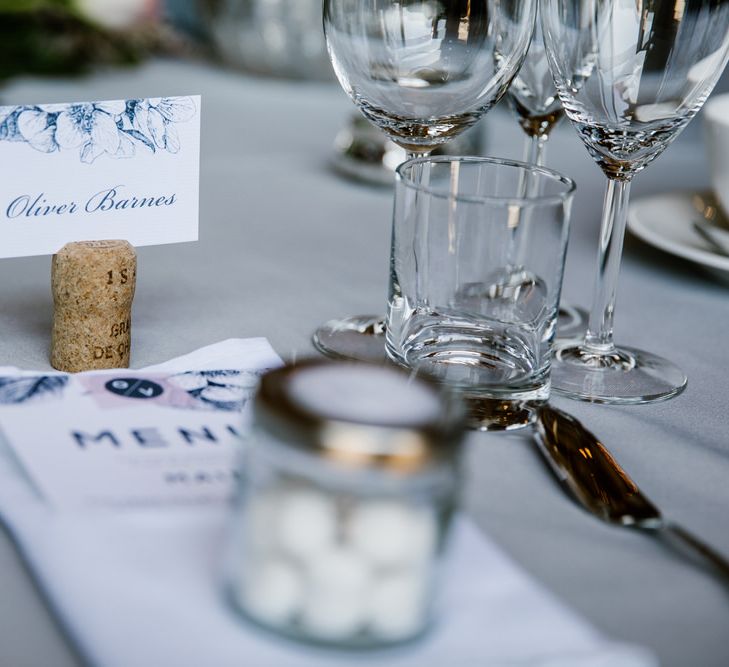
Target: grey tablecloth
286,244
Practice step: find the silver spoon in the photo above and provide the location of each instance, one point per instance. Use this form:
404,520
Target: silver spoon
588,470
716,237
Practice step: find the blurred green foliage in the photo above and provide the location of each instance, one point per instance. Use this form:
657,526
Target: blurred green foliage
33,5
47,37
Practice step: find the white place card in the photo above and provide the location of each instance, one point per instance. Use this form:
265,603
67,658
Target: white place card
123,169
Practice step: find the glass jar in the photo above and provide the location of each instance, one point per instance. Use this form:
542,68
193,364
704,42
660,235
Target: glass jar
348,486
270,37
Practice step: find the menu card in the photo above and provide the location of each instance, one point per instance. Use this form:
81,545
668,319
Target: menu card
128,438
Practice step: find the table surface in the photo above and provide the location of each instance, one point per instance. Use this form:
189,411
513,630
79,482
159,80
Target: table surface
286,244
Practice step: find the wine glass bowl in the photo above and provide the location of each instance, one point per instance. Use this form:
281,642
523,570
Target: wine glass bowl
426,70
532,94
630,76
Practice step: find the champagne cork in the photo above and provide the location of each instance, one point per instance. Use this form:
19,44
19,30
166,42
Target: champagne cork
93,287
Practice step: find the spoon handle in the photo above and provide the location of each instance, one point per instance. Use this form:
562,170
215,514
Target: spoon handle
679,537
717,238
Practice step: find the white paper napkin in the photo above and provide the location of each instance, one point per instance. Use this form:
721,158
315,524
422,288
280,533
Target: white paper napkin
141,588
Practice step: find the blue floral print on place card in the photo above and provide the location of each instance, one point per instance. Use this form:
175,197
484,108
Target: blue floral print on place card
114,128
113,169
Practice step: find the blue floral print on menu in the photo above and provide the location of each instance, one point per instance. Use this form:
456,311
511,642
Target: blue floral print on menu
221,390
19,389
114,129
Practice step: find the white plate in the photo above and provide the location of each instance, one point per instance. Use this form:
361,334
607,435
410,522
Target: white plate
666,222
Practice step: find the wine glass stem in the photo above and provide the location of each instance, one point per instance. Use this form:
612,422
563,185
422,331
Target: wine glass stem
410,154
599,335
535,150
422,220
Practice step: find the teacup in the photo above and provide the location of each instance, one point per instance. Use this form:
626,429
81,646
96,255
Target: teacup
716,122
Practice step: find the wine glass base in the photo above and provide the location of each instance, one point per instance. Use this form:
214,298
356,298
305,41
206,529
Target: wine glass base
621,376
571,322
359,338
362,337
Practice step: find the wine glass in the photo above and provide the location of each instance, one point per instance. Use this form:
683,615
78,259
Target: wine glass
423,71
534,99
630,76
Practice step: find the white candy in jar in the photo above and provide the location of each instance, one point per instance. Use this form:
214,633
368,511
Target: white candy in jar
332,616
397,604
272,591
392,533
260,515
335,603
305,523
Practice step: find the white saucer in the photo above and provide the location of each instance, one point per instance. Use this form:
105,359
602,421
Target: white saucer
665,221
